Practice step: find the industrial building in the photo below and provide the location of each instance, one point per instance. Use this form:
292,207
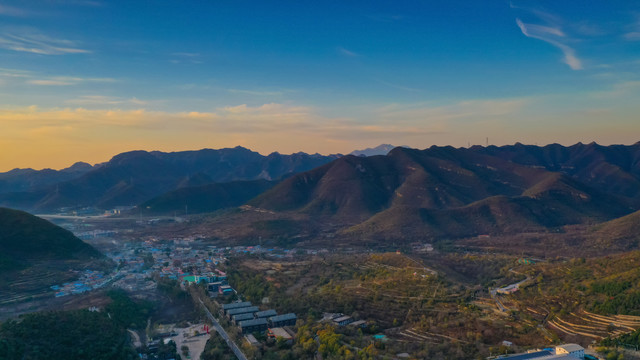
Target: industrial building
254,325
244,310
560,352
241,317
283,320
279,332
235,305
343,320
266,314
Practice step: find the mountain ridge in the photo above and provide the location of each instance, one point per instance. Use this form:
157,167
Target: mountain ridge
133,177
442,192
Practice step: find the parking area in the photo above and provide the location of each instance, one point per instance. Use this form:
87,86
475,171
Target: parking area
194,337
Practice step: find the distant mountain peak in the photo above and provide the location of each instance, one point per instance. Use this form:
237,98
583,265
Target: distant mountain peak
382,149
80,165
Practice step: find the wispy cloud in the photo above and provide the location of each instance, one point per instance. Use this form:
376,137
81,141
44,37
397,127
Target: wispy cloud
465,111
633,36
59,134
33,41
347,52
255,92
618,90
50,82
21,77
186,57
186,54
633,30
101,100
396,86
15,73
13,11
552,35
67,80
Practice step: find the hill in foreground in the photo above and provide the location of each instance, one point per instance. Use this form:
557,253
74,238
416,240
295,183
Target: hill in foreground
35,253
623,232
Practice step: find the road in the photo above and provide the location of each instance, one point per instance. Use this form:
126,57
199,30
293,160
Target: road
498,302
136,339
431,271
223,333
516,285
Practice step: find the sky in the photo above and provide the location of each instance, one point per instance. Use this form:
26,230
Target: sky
85,80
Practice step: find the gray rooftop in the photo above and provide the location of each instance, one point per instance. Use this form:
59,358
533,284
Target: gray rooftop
236,305
533,355
266,313
242,317
244,310
254,322
289,316
342,318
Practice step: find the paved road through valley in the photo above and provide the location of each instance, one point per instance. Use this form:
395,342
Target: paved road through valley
223,333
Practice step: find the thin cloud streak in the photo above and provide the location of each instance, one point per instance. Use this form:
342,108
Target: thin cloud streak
255,93
101,100
347,52
15,73
68,81
396,86
37,43
19,77
633,31
13,11
540,32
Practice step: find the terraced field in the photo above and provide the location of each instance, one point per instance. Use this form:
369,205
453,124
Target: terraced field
33,283
594,326
414,334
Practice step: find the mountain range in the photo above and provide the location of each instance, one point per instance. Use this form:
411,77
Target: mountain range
438,192
448,192
18,180
134,177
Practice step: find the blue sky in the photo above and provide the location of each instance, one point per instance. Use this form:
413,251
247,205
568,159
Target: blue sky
84,80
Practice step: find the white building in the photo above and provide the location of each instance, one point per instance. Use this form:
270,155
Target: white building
574,350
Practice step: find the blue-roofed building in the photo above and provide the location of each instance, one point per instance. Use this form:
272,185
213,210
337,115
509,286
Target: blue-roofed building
266,314
242,317
255,325
283,320
236,305
531,355
244,310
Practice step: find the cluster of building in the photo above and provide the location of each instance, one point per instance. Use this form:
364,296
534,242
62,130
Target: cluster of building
251,319
87,281
175,261
215,280
340,319
560,352
274,252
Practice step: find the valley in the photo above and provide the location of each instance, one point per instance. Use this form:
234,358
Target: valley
440,253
